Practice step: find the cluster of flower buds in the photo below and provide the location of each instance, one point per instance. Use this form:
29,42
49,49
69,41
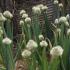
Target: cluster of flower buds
59,5
8,14
43,43
39,8
6,41
55,2
22,12
2,18
21,22
26,53
41,37
64,20
25,18
31,45
56,51
61,20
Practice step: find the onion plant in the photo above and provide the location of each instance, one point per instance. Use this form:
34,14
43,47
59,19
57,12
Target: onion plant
38,50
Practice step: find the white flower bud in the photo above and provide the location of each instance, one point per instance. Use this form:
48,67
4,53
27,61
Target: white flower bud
62,19
2,18
21,22
36,10
60,5
26,53
22,12
44,8
56,2
56,51
24,16
68,32
28,20
31,45
6,41
41,37
8,14
43,43
40,6
56,21
68,16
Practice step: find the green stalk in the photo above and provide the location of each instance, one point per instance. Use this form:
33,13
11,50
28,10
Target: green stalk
48,26
1,49
24,31
62,33
36,27
66,46
32,64
54,64
29,31
6,53
9,30
56,41
44,59
57,14
62,64
8,57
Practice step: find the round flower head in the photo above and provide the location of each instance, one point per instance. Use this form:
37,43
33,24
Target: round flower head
1,31
68,32
68,16
28,20
62,19
22,12
56,2
60,5
24,16
43,43
56,51
6,41
41,37
44,8
2,18
36,10
21,22
8,14
40,6
56,21
26,53
31,45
